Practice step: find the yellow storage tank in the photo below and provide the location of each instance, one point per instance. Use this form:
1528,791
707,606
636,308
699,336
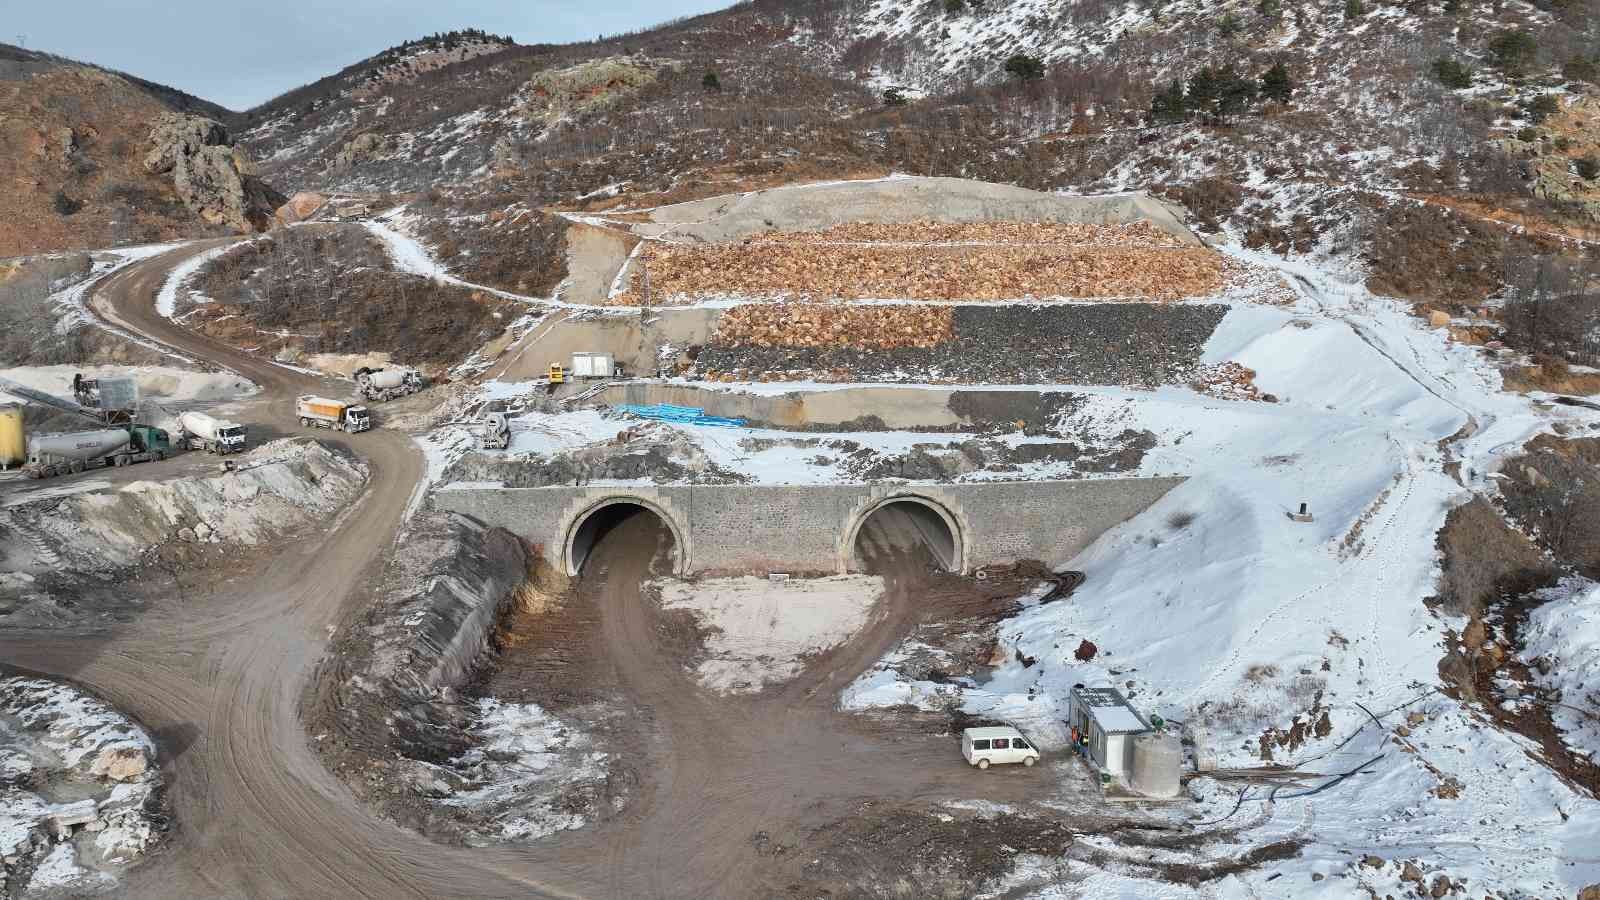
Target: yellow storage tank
13,448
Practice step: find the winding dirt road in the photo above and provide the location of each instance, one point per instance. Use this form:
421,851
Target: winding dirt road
218,680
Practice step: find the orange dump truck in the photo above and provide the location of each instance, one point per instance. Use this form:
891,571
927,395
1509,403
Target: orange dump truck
320,412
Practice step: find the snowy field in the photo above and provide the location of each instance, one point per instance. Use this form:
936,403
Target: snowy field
762,632
1213,608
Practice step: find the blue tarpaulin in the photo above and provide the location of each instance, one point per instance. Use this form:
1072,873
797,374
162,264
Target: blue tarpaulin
682,415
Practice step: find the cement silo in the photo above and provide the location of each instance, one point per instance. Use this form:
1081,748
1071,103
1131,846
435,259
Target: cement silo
13,444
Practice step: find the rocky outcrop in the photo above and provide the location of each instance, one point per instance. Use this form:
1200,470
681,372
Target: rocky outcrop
361,148
215,179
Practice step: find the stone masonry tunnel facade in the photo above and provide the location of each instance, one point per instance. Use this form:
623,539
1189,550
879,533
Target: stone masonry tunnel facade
813,528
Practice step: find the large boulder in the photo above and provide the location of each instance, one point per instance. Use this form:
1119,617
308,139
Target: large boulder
215,179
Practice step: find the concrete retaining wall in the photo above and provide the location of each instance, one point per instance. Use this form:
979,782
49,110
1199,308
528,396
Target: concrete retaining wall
740,528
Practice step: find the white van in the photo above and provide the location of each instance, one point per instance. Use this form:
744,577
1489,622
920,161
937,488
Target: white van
1000,744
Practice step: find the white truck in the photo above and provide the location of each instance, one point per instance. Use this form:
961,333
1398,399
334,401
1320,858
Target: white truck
202,432
380,385
320,412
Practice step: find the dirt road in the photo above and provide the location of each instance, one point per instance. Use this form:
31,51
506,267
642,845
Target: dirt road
218,681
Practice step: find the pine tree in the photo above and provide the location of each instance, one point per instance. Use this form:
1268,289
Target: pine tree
1203,92
1169,105
711,82
1025,67
1276,84
1271,10
1354,9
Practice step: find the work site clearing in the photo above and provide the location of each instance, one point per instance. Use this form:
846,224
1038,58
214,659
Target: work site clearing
715,625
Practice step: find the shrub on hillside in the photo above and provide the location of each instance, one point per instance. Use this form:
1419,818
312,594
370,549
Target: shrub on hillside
1554,490
1354,9
64,205
1543,107
1580,68
1513,50
1588,167
1024,67
1482,558
1276,85
1452,73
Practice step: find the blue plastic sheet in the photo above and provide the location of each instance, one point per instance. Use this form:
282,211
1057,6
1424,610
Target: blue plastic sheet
681,415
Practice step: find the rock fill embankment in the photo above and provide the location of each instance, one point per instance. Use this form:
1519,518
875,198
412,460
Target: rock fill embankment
1091,344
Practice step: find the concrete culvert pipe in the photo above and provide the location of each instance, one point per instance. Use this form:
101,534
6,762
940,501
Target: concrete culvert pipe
908,525
590,531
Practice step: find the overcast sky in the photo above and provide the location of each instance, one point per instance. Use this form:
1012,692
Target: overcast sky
242,54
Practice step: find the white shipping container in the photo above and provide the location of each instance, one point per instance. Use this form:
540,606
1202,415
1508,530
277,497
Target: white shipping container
593,365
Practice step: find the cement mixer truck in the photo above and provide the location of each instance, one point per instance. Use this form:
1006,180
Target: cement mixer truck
50,455
202,432
381,385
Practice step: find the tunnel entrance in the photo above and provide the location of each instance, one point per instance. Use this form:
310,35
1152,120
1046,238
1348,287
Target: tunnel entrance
907,526
640,526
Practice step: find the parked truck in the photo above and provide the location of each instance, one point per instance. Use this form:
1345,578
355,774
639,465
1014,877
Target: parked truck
381,385
202,432
58,454
320,412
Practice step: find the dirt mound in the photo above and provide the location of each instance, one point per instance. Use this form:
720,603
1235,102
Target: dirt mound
1135,234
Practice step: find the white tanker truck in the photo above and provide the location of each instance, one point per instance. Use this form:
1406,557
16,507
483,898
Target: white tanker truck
202,432
380,385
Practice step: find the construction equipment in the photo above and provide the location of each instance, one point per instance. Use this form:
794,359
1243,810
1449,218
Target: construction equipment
381,385
59,454
496,434
115,399
558,374
202,432
320,412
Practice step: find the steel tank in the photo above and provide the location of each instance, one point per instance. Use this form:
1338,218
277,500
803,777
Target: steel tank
13,441
78,445
387,378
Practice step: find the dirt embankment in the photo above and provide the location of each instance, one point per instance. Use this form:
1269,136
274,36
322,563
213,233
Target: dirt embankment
37,330
79,555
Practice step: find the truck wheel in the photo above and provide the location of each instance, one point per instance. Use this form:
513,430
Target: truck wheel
305,422
161,455
119,461
77,466
983,764
1029,761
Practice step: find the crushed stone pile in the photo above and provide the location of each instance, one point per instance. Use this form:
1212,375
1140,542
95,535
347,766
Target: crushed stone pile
1135,234
832,325
683,274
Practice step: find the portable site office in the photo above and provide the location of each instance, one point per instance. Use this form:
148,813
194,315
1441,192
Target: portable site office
1102,716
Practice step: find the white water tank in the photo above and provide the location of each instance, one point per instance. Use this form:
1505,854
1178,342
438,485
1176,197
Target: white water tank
1157,759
